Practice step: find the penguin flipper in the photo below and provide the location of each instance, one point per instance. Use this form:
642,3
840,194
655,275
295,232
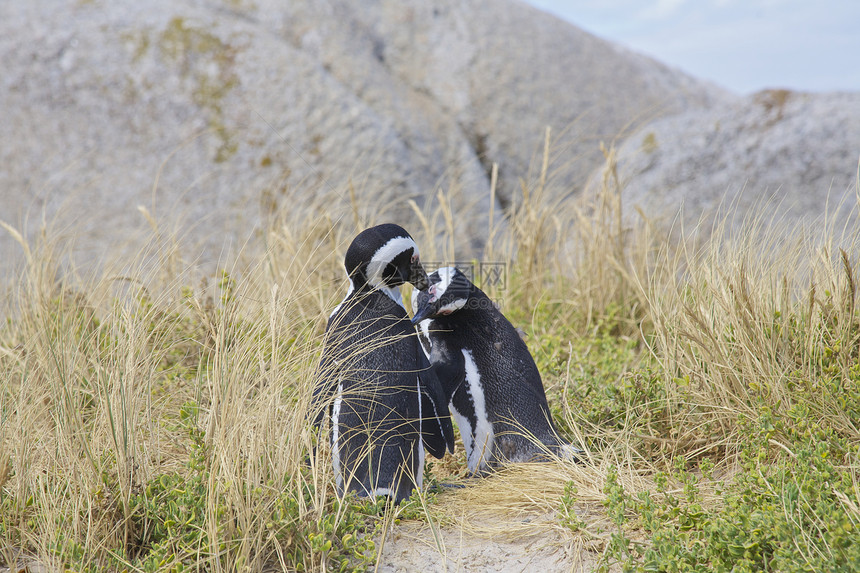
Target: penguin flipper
320,403
437,429
325,387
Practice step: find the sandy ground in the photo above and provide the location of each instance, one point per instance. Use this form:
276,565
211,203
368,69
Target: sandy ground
413,547
498,526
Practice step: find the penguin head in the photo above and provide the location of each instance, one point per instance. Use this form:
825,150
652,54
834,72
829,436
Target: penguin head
449,291
384,256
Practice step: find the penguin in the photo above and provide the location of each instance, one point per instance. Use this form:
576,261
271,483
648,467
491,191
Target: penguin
375,385
495,390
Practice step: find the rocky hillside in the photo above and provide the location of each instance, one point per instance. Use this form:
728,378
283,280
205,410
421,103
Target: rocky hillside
796,152
225,112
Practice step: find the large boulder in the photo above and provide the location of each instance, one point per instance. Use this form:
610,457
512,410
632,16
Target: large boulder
226,112
792,154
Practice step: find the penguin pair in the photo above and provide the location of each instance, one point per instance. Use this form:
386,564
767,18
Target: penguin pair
494,387
375,384
387,394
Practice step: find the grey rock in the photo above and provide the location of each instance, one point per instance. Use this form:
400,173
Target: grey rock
226,112
789,155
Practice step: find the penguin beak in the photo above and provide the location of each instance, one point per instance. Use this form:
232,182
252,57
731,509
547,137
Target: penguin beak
418,277
426,304
423,312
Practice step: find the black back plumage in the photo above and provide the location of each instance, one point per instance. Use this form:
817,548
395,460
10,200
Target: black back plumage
374,383
464,324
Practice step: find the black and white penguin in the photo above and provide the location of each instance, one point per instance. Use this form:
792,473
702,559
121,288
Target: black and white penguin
375,383
495,389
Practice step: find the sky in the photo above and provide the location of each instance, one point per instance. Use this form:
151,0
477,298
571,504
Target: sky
742,45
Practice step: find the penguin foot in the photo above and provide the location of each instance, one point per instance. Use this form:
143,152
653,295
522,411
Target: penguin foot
571,453
453,485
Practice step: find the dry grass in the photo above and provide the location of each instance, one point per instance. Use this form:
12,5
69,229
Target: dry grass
748,315
112,382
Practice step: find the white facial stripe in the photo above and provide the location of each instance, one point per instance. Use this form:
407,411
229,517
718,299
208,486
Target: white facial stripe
482,433
384,255
446,275
452,306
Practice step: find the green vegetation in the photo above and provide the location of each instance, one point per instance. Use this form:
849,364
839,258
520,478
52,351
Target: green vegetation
151,421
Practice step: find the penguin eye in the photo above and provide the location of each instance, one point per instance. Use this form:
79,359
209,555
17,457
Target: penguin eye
414,258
